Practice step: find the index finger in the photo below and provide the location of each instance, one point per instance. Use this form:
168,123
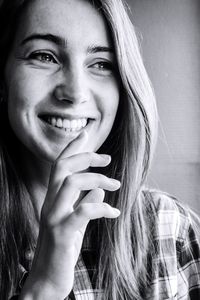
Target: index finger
75,147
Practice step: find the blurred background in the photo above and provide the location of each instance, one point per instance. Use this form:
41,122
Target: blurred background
169,32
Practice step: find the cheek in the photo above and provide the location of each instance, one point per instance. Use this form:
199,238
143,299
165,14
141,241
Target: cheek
109,118
22,100
110,102
25,94
19,103
24,87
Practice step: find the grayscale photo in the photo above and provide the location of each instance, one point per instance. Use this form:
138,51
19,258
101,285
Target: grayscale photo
99,150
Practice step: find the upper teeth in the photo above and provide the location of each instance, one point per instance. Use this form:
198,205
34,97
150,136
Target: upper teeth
69,125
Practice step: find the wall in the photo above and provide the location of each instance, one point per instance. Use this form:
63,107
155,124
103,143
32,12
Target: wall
170,38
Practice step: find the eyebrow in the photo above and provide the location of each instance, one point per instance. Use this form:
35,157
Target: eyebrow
61,42
95,49
47,37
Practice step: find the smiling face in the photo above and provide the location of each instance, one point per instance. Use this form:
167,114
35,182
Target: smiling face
61,77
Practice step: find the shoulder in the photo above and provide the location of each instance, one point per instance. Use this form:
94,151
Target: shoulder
176,262
165,202
172,218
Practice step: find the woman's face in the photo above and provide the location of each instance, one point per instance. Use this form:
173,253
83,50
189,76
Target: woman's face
61,77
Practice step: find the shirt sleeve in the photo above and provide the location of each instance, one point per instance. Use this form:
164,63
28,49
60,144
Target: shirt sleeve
189,263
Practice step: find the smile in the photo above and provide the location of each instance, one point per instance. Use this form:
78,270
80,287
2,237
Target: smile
66,124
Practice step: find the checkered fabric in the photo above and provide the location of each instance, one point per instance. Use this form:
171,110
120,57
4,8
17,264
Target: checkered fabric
177,260
176,263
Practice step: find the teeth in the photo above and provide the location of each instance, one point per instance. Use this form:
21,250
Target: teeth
52,121
59,123
79,123
74,124
67,125
84,122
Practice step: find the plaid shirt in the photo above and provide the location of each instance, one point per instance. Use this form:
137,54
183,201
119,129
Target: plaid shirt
176,262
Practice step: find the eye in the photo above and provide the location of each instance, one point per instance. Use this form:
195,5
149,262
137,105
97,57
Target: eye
103,66
44,57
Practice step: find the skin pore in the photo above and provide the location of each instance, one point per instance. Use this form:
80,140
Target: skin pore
60,75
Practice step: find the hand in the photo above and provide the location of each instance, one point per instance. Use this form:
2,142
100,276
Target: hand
64,218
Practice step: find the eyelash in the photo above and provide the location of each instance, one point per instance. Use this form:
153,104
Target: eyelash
49,57
104,66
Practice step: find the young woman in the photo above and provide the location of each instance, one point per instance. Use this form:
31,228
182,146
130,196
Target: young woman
78,118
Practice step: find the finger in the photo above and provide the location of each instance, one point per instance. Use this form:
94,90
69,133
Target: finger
70,191
74,184
75,146
89,181
83,161
94,196
76,163
90,211
66,209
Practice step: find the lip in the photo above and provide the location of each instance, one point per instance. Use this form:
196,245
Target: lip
57,132
65,116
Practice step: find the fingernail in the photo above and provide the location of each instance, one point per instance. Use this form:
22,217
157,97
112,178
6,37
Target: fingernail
116,183
106,157
116,212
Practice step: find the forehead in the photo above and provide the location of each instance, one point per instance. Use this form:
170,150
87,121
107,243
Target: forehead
73,19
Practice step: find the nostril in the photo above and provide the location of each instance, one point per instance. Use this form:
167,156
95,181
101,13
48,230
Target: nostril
63,94
72,87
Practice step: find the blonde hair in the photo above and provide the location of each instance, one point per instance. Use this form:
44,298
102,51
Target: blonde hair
126,244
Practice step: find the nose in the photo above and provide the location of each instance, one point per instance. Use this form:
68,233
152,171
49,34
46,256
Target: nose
72,87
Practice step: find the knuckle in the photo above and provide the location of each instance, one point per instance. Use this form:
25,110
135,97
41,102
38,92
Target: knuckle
69,180
83,210
60,163
100,177
47,219
89,157
100,192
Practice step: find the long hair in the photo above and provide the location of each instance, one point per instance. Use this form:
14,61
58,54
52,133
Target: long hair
125,254
124,243
16,237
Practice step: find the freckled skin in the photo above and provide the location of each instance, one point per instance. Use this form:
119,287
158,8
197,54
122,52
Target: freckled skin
72,85
56,68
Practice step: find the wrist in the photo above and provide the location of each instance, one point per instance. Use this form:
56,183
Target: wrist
41,290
